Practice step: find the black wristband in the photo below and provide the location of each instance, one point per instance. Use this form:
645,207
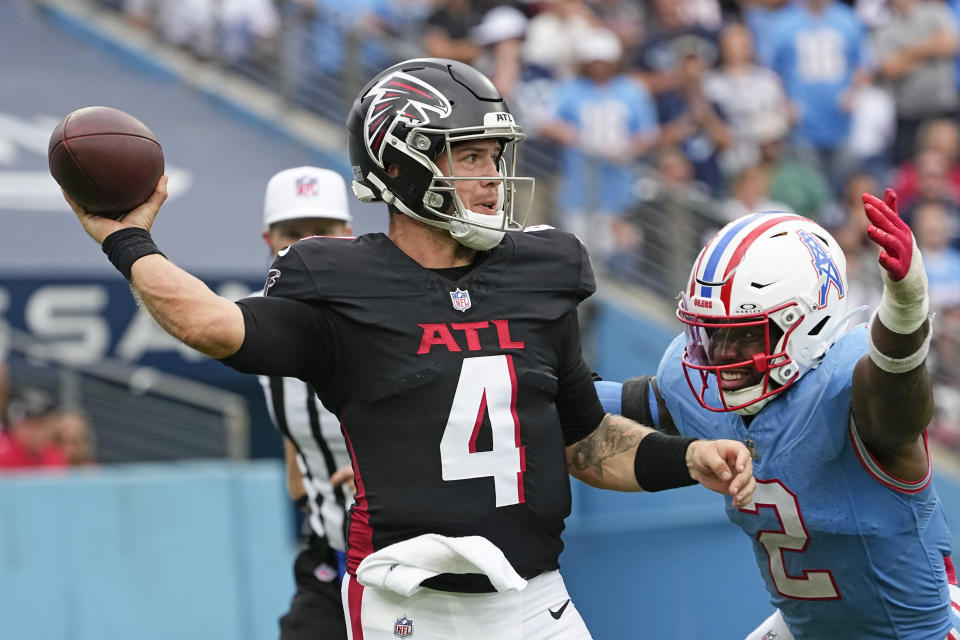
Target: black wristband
661,462
126,246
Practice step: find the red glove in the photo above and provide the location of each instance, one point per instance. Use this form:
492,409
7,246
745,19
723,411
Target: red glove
904,306
890,232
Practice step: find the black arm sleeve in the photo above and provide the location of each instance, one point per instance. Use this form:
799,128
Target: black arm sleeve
577,402
289,338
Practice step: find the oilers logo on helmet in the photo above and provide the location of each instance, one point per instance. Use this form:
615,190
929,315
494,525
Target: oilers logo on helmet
826,268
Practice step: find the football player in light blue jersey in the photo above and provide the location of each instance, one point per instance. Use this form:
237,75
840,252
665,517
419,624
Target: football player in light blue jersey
849,534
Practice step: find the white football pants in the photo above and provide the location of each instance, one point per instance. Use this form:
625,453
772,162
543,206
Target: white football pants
541,611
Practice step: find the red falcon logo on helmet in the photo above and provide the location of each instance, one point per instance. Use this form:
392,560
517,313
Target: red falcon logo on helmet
400,96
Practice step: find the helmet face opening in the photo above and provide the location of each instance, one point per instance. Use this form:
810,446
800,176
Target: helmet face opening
765,301
514,194
738,359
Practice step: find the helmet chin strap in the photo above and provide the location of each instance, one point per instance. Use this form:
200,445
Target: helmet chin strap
745,395
470,234
476,236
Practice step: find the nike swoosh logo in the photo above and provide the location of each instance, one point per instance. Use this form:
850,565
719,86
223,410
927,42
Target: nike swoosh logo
559,612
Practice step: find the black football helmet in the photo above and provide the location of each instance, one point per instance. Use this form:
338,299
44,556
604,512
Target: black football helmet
408,115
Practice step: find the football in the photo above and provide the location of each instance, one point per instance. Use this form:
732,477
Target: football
105,159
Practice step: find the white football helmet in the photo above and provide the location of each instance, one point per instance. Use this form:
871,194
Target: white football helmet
766,299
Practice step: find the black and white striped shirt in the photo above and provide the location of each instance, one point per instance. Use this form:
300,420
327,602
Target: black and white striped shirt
315,432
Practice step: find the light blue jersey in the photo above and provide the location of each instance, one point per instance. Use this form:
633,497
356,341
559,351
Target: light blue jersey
607,117
846,550
816,54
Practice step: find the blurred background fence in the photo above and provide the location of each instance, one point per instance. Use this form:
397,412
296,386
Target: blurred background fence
140,414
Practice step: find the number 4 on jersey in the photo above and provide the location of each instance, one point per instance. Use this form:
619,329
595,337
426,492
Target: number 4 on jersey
487,386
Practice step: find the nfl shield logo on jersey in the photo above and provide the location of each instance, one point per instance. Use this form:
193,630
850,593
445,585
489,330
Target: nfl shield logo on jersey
460,299
403,627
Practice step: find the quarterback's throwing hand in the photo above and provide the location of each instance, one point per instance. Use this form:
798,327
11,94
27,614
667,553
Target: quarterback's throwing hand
99,227
891,233
723,466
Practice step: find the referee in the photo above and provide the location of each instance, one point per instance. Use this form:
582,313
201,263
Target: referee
303,202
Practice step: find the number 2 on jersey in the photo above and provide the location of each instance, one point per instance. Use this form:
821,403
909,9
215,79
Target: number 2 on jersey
792,536
487,387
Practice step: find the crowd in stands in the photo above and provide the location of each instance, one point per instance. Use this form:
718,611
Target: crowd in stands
652,123
35,432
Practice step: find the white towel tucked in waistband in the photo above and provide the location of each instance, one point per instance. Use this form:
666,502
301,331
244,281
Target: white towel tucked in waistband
401,567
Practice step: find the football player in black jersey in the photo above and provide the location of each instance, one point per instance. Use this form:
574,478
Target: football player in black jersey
449,349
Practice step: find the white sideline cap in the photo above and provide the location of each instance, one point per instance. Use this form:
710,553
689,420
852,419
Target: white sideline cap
602,45
305,192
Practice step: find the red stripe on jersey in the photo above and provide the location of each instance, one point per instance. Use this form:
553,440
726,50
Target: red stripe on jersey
742,249
360,540
355,605
914,487
516,426
951,572
476,425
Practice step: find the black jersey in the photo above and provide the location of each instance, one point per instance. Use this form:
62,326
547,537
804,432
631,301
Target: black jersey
450,392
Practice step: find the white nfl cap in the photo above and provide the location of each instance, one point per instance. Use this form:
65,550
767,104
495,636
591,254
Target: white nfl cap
305,192
602,45
499,24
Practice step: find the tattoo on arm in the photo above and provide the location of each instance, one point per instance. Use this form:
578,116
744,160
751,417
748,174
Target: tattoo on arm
615,435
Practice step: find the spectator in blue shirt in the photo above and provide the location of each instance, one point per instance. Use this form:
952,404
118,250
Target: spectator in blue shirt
605,121
819,52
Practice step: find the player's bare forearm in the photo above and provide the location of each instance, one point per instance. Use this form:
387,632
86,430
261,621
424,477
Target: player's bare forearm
605,458
186,308
898,406
180,303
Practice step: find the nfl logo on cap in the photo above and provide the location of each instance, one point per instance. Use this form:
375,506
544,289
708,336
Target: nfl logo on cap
403,627
306,186
305,192
460,299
